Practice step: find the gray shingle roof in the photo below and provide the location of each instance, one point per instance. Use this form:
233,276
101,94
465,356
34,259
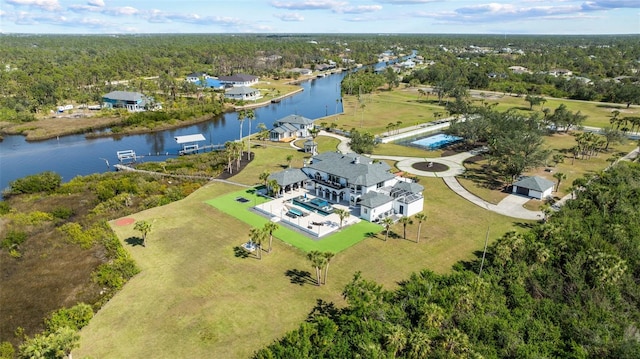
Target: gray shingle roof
374,199
295,119
288,176
243,90
124,96
284,128
409,187
357,169
535,183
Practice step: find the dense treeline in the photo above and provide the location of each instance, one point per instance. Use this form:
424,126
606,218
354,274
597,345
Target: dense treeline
41,72
566,288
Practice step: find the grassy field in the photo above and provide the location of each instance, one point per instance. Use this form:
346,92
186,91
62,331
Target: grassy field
199,296
481,182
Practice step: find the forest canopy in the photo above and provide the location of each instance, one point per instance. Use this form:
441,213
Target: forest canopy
566,288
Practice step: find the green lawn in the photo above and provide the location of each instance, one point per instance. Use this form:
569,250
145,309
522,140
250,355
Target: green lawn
336,242
199,295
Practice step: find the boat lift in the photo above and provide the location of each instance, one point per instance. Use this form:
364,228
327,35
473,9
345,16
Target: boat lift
189,143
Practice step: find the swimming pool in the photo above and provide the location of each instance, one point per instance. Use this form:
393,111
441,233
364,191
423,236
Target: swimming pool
317,205
436,141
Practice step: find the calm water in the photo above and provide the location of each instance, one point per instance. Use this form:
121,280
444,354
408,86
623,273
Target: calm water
71,156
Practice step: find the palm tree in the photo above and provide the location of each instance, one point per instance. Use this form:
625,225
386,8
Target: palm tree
317,261
405,221
269,228
289,159
258,235
144,227
327,258
274,187
387,222
264,177
251,115
420,217
559,176
241,116
342,214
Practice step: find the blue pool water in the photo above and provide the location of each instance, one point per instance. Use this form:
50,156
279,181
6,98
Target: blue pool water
435,141
317,205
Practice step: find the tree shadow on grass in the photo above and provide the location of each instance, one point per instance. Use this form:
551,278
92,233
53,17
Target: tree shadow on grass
239,252
134,241
299,277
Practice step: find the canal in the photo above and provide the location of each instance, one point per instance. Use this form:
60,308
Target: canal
75,155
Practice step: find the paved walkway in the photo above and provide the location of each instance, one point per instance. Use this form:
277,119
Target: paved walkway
511,206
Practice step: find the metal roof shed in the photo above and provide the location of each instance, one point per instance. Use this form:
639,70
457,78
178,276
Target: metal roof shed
193,147
189,138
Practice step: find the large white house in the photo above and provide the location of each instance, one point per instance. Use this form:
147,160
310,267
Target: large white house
358,181
290,127
239,80
242,94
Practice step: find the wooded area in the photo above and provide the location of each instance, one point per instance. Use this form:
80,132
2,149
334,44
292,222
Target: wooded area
565,288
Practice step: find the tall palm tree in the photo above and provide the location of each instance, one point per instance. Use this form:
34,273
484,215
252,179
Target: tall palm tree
386,223
317,261
420,217
559,176
251,115
274,187
327,258
342,214
264,177
258,235
405,221
241,116
269,228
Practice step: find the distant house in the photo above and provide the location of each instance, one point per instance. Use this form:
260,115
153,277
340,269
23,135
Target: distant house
290,127
132,101
534,186
357,181
301,71
196,76
242,94
239,80
560,72
519,70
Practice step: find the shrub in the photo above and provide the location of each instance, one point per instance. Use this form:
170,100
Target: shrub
75,317
13,240
42,182
4,207
62,212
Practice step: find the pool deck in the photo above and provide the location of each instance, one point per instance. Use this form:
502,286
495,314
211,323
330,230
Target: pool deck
276,210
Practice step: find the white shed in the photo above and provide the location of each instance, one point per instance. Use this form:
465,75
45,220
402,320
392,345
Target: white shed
534,186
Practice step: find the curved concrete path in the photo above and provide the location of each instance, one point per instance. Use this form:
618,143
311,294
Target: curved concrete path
511,206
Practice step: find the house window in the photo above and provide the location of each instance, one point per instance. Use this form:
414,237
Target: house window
365,210
401,209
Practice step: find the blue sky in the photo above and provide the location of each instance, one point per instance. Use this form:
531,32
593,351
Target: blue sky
320,16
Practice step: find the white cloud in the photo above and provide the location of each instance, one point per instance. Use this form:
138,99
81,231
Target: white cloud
361,9
408,2
121,11
290,17
99,3
309,5
43,4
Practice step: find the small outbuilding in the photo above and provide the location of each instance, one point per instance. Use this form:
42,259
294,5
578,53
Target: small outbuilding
533,186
